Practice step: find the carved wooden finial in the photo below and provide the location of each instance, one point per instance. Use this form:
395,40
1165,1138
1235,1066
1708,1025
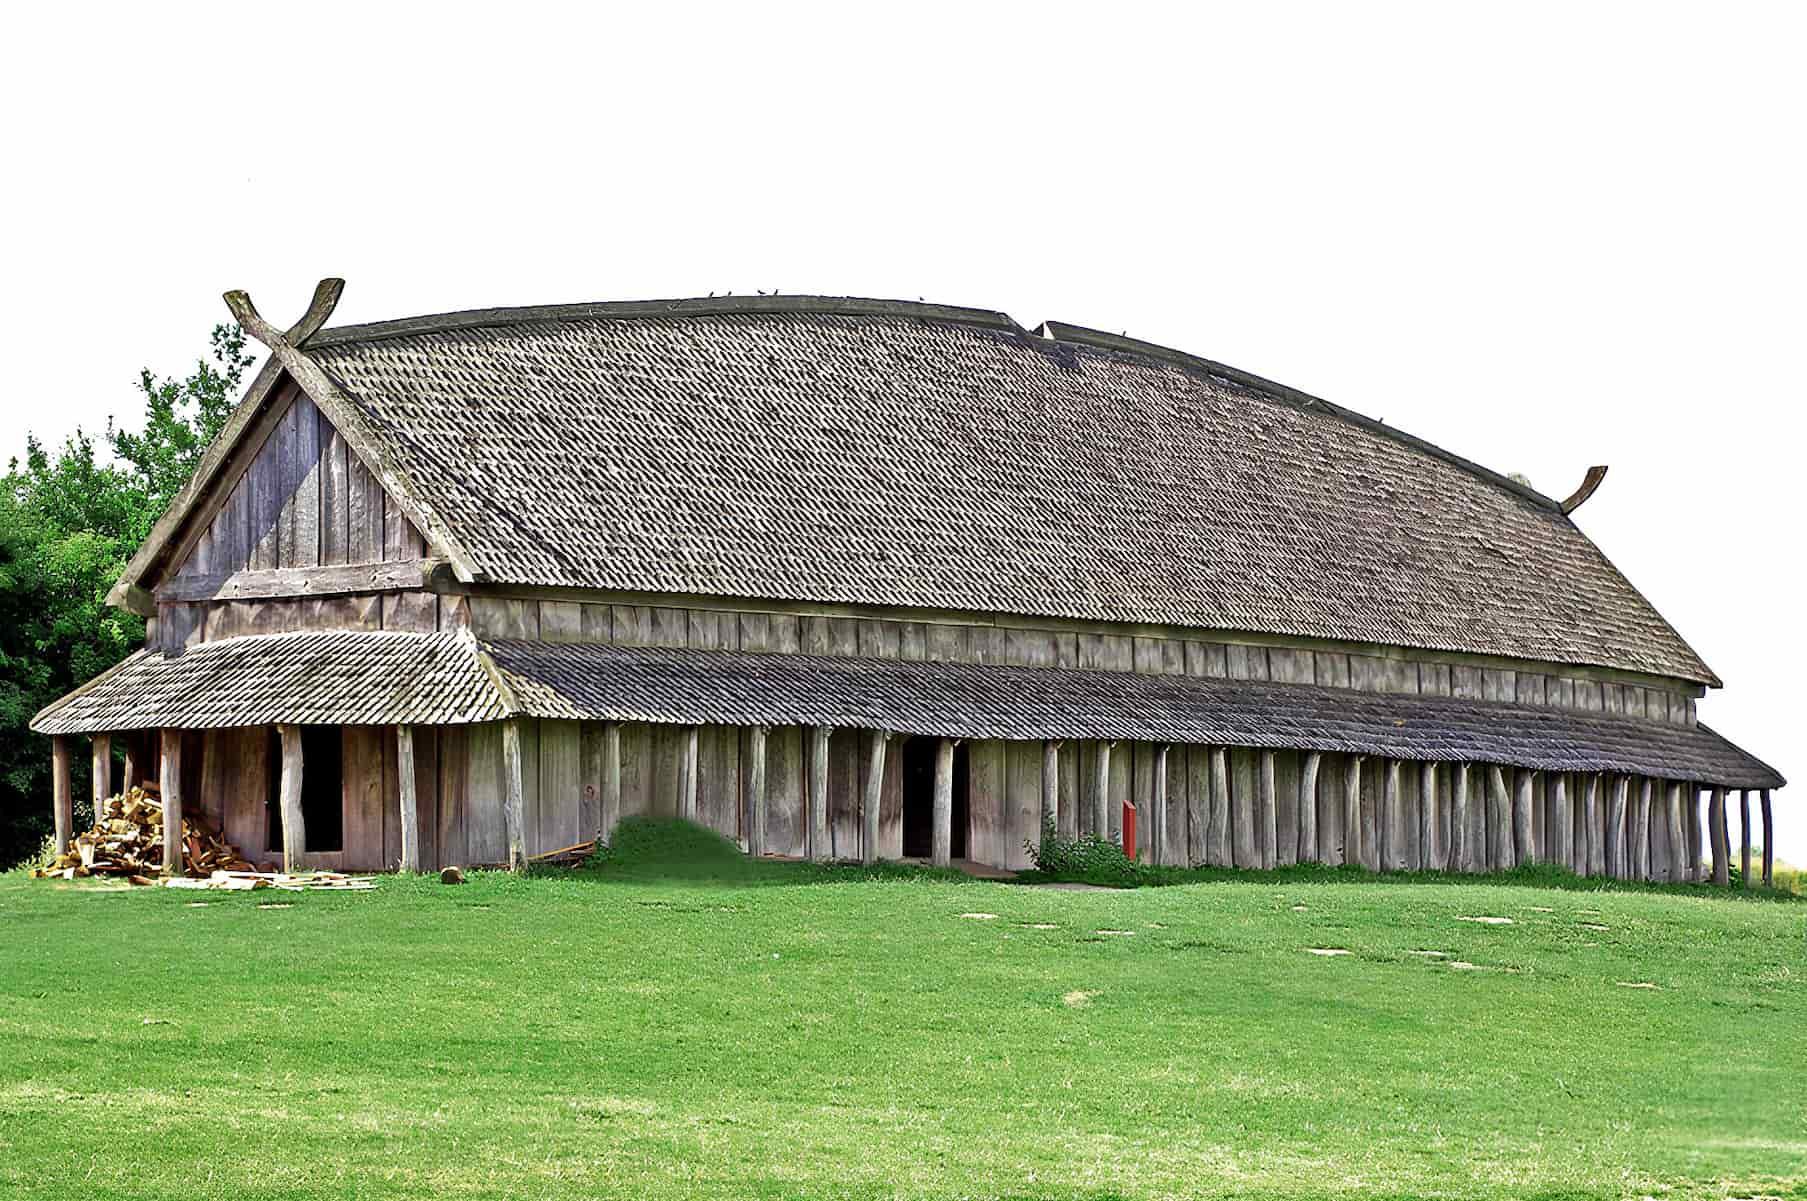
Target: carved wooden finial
326,299
1594,476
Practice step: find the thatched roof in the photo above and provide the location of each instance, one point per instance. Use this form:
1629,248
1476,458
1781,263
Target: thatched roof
390,678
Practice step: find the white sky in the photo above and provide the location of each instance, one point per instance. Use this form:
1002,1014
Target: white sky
1543,237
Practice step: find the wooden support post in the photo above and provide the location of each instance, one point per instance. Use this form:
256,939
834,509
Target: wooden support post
62,792
1769,843
410,809
1427,818
1678,846
1157,827
687,775
1461,846
170,790
875,791
1591,822
611,780
1744,836
1308,808
1722,868
1561,831
102,774
818,792
1270,813
1217,851
1617,840
1101,792
1392,835
513,789
1697,848
756,790
1352,811
1499,819
1640,832
1050,787
1524,840
134,760
942,848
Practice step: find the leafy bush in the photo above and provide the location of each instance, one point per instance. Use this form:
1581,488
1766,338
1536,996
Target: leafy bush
1087,859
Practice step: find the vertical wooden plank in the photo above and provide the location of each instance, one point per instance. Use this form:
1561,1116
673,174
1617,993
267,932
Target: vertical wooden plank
1171,809
1287,766
514,799
1353,850
408,806
1308,808
611,778
1461,844
561,786
1561,824
688,766
590,737
170,781
875,789
941,846
1198,804
335,501
1101,790
1614,842
306,500
1427,818
786,823
985,802
820,846
101,775
1594,825
361,761
216,775
1330,809
1050,789
890,811
486,798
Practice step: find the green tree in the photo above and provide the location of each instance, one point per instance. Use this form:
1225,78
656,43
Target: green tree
69,521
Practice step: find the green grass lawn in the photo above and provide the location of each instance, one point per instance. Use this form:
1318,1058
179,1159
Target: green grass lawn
683,1022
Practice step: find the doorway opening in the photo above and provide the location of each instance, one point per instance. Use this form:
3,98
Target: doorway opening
919,799
322,788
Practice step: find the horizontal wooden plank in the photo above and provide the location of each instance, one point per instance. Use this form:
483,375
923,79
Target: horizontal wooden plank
300,581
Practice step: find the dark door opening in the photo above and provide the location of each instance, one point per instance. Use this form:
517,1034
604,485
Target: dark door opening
919,799
322,788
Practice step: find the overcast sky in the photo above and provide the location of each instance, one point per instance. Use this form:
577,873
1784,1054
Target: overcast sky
1543,238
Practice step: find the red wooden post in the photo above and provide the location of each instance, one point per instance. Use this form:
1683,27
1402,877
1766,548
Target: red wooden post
1129,829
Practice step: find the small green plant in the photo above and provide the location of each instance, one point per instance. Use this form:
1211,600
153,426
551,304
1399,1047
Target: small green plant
1087,859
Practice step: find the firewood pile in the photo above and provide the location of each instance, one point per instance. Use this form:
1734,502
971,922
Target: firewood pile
127,840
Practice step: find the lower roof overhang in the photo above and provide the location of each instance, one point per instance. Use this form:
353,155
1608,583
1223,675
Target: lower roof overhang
385,678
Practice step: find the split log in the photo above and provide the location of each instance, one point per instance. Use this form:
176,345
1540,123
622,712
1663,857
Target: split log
687,775
1461,850
1524,842
174,847
1308,809
1696,845
818,792
1352,810
1562,835
1744,835
1616,840
512,800
62,792
1157,841
875,791
1769,854
1592,823
1678,847
1270,808
1101,791
1392,837
1640,832
1427,818
101,772
404,774
941,851
611,780
1217,850
1499,819
1050,786
756,798
1722,868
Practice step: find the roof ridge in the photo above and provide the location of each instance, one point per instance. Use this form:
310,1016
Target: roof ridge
848,306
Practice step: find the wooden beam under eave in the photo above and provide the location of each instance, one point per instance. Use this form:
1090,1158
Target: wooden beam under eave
875,791
1744,837
1352,811
1461,846
819,738
1270,813
1524,842
410,819
102,774
1392,838
611,781
294,827
756,798
170,793
1308,808
62,793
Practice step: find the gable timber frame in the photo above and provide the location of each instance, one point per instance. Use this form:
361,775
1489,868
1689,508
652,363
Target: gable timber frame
251,422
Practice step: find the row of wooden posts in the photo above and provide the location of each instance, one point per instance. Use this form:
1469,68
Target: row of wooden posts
1617,846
